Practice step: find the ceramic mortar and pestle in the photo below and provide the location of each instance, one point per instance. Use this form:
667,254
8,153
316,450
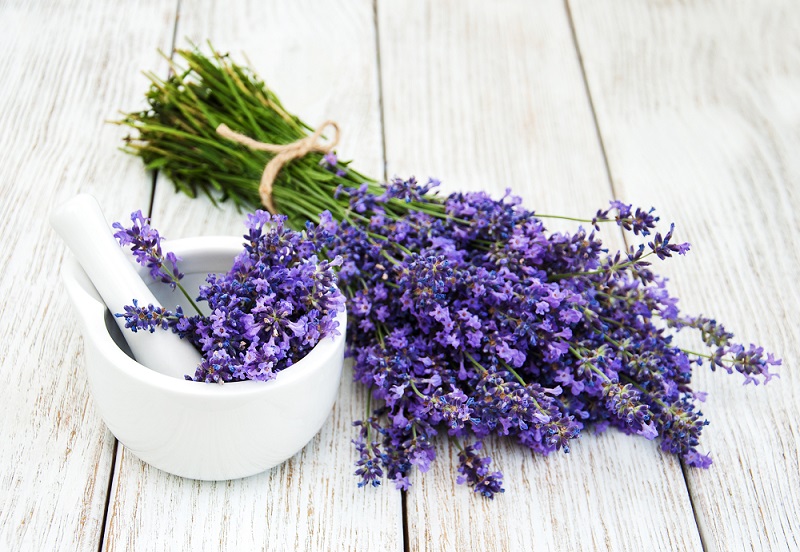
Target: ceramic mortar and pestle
191,429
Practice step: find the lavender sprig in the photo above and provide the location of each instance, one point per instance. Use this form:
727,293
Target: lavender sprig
149,318
145,244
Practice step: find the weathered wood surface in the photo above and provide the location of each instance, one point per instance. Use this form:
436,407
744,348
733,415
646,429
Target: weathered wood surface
698,105
486,96
696,109
65,69
311,502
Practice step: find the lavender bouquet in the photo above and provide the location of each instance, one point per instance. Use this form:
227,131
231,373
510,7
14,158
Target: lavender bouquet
267,312
468,316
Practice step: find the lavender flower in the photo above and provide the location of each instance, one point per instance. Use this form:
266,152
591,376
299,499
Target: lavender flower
474,471
149,318
145,243
625,403
662,247
639,222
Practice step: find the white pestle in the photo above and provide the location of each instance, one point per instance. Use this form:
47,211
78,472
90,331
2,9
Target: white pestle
82,225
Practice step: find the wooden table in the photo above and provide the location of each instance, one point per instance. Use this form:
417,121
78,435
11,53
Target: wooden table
693,107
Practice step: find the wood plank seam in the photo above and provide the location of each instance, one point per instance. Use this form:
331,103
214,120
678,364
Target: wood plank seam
588,91
614,194
483,97
311,502
684,469
104,523
699,108
73,65
381,113
115,457
385,165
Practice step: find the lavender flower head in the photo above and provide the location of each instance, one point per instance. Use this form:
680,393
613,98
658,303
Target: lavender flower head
145,243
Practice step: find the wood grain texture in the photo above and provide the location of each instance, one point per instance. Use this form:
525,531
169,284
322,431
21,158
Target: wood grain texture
698,104
65,68
487,96
320,58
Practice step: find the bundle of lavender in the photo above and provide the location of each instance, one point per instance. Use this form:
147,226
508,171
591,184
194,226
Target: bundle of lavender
468,316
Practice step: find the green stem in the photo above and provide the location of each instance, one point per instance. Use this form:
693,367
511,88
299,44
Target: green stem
189,298
591,365
612,268
514,373
417,391
366,420
573,219
476,363
709,357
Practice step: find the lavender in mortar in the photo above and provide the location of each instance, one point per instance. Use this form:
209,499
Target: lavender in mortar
268,311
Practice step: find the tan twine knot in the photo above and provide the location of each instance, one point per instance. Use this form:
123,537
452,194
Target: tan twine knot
283,154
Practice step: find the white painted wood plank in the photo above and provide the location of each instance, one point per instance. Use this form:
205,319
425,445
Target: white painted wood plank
320,58
487,95
699,108
65,69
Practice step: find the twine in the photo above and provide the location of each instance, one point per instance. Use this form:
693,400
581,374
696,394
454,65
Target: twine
283,154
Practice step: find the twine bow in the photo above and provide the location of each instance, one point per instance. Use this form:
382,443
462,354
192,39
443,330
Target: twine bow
283,154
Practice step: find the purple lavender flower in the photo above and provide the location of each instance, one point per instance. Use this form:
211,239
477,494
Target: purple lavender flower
145,243
474,471
149,318
679,427
750,362
455,408
639,222
662,247
369,467
625,403
331,162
